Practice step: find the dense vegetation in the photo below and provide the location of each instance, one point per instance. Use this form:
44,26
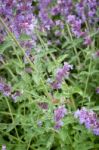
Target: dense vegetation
49,74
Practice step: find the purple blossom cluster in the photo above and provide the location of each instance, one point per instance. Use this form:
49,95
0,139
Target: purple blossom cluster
59,114
86,10
89,119
49,9
85,14
76,29
78,15
75,25
6,90
61,74
44,14
19,18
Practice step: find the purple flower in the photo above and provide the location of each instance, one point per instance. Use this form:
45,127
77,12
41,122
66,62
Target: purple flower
61,74
87,40
1,38
1,86
57,33
59,113
88,118
96,128
55,11
43,105
15,95
56,85
19,18
96,54
58,125
6,90
3,147
57,42
71,19
75,24
88,14
97,90
1,58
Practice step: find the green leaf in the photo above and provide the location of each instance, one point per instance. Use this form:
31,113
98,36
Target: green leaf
5,46
24,37
96,108
61,58
50,141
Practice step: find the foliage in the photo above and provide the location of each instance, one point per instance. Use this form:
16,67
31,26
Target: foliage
33,114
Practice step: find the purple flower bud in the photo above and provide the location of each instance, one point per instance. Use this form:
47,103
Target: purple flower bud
18,17
3,147
95,55
89,119
97,90
1,58
15,96
59,113
61,74
56,85
57,42
1,86
6,90
87,40
71,19
43,105
57,33
96,129
58,125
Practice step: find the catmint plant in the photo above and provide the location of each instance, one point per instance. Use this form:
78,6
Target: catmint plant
59,113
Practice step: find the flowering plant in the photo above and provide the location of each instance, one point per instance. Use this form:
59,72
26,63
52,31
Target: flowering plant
49,82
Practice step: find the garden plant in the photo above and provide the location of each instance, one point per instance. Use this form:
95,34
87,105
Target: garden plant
49,74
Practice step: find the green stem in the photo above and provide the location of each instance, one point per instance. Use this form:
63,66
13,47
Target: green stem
16,54
89,73
72,100
13,137
75,50
12,117
45,46
14,39
17,43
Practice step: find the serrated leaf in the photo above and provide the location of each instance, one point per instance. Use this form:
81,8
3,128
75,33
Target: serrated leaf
61,58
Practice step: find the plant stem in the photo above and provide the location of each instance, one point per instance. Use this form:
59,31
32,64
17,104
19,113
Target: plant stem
17,43
75,50
12,117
